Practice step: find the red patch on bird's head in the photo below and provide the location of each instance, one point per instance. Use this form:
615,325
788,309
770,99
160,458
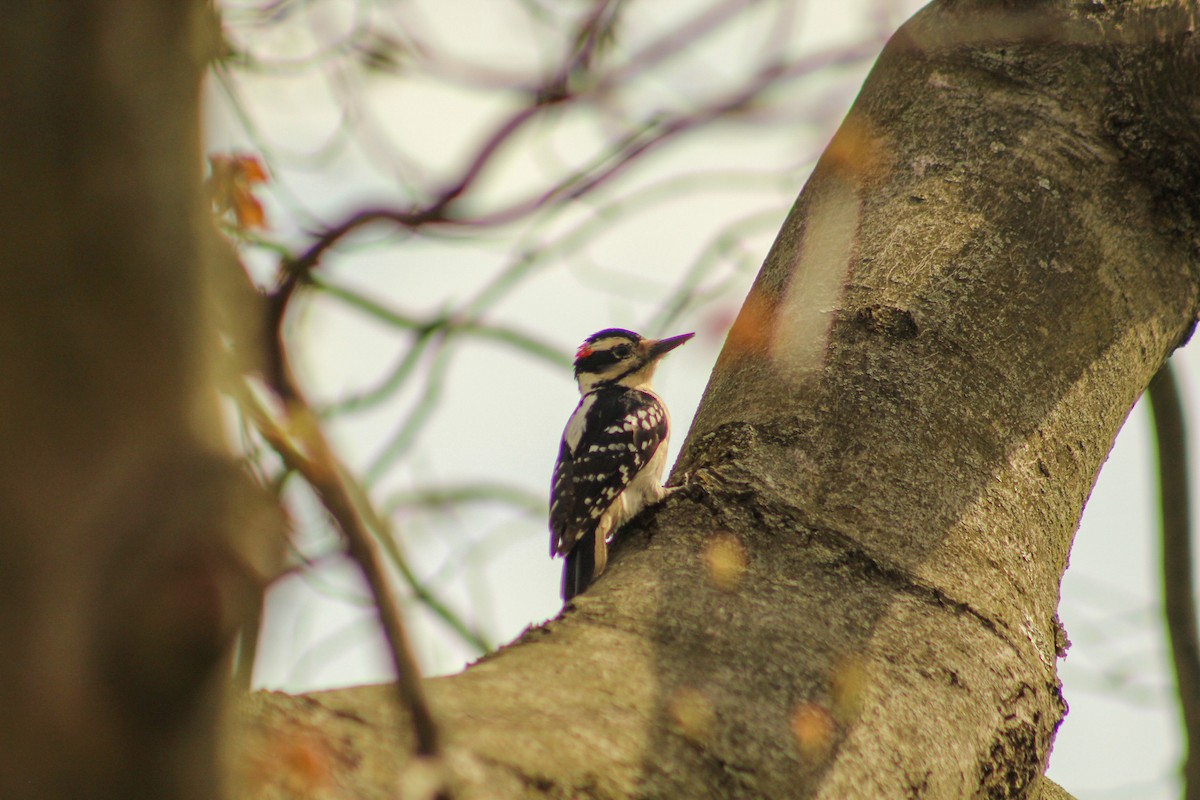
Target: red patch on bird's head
584,351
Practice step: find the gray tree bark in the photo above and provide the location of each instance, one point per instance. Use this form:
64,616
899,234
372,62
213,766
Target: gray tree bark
856,596
117,590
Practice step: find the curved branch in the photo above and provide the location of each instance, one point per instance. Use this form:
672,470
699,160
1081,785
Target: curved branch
296,271
320,468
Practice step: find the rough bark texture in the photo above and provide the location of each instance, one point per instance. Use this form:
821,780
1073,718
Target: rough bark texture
115,593
857,595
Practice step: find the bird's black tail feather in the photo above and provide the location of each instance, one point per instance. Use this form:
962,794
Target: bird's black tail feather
580,567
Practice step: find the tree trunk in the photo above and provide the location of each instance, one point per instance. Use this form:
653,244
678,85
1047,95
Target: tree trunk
116,594
856,596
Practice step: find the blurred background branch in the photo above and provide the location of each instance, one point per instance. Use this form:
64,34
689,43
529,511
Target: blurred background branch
1179,586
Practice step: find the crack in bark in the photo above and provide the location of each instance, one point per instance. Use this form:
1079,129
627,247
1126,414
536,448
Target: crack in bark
904,581
341,713
716,495
541,782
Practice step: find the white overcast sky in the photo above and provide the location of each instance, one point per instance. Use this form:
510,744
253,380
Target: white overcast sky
500,414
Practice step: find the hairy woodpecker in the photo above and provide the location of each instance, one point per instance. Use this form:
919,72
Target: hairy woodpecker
611,458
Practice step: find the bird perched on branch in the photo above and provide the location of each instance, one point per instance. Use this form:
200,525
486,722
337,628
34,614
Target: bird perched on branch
611,458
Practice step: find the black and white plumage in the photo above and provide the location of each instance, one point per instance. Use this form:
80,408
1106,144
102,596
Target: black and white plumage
611,458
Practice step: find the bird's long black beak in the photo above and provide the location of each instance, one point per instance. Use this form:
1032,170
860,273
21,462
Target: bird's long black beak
658,349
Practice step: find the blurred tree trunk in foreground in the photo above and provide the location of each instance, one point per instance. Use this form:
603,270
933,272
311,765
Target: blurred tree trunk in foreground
857,597
117,595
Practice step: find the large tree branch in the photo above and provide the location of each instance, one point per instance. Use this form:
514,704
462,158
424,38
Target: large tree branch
857,595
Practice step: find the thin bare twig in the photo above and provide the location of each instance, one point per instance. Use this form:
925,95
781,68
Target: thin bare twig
404,437
1178,581
387,537
448,496
278,376
675,41
322,471
433,332
438,211
452,323
690,292
663,129
296,270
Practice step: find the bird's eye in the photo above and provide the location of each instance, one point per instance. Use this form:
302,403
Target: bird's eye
621,351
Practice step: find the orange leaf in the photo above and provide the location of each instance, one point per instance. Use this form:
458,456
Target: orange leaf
232,182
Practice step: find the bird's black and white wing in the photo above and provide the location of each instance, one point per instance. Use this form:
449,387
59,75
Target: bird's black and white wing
562,501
